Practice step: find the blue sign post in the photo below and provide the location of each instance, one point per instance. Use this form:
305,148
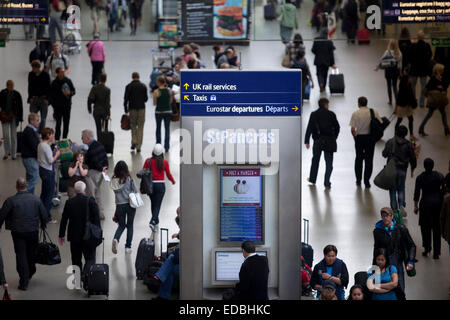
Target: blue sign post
241,93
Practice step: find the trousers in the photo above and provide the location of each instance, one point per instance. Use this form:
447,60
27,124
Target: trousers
62,116
317,152
137,120
24,246
365,148
10,137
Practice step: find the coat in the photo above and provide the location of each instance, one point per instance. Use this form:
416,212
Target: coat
253,279
323,51
420,58
339,270
17,106
95,157
58,99
30,142
429,190
324,128
404,153
288,13
135,96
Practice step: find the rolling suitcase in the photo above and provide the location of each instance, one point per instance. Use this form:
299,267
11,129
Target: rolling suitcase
144,257
269,11
106,138
98,278
307,250
336,82
363,36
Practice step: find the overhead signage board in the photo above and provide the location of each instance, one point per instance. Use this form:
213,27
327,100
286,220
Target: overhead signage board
24,12
240,93
416,11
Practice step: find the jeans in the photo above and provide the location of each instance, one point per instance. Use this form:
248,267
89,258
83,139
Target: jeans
166,274
25,246
38,105
159,189
137,120
10,137
398,190
159,118
286,34
97,68
410,124
48,188
32,172
100,121
317,152
430,114
391,82
125,217
62,116
79,249
322,75
365,148
423,82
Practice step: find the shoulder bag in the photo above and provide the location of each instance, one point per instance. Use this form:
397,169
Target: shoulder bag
387,177
6,296
47,253
93,234
135,197
146,176
5,116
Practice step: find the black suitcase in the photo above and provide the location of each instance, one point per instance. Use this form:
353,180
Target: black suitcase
307,249
149,280
144,257
106,138
269,11
336,82
98,278
19,139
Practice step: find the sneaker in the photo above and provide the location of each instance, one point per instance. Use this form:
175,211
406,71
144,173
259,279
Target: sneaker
128,250
152,226
313,183
114,246
53,221
403,211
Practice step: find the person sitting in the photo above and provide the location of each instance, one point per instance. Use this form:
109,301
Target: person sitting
356,293
77,171
328,290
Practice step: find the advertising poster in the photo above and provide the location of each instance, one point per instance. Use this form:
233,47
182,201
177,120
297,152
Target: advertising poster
415,11
168,35
230,19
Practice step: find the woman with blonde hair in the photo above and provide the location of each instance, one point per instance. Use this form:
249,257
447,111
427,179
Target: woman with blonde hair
391,63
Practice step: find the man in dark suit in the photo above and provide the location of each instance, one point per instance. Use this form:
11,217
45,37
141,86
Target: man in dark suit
28,147
324,57
75,212
253,276
324,128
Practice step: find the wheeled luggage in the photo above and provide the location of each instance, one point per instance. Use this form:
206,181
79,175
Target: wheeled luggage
269,11
98,278
307,249
336,82
144,257
106,138
363,36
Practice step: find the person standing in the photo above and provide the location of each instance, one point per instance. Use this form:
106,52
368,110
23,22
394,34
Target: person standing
324,128
350,20
38,92
406,103
100,97
421,55
324,57
23,213
57,60
287,14
123,184
429,190
97,162
11,113
134,104
392,72
402,151
30,142
76,212
364,143
62,91
383,286
46,159
404,44
159,168
395,238
162,99
96,51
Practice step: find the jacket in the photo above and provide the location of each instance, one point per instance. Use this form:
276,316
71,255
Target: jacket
23,212
288,13
421,55
135,96
30,142
323,51
405,49
17,106
339,270
100,96
75,211
323,126
58,99
38,86
96,51
445,218
397,242
95,157
405,96
430,185
404,153
122,190
2,272
253,279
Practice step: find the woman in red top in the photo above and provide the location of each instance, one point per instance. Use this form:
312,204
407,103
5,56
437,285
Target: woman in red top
159,166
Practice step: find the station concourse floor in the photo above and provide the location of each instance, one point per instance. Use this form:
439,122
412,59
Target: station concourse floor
344,216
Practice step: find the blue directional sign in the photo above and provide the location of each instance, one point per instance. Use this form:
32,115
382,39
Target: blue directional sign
241,93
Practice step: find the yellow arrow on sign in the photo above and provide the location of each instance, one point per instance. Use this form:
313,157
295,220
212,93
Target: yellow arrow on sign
43,19
295,108
186,86
186,97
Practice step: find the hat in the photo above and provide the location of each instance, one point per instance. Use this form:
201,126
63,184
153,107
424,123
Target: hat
158,149
329,284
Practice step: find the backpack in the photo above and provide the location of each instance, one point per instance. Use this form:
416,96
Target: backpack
388,61
376,127
64,60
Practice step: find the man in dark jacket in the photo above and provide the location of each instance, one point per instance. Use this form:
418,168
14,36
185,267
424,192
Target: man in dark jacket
75,213
23,212
421,55
324,128
11,106
396,240
30,142
97,162
402,151
324,57
38,91
100,97
62,91
134,104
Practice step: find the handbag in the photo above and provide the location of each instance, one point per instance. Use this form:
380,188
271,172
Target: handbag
6,117
146,176
93,234
387,177
286,62
125,122
47,253
437,99
6,296
135,198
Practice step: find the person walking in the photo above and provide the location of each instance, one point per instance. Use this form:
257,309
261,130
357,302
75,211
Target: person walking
405,104
350,19
61,94
324,57
395,238
445,215
162,99
294,47
383,286
76,213
100,97
123,184
436,93
11,113
29,146
3,282
300,62
364,143
133,5
46,158
57,60
420,59
97,162
391,62
38,92
96,51
134,104
23,213
405,44
402,151
287,15
159,168
324,128
429,190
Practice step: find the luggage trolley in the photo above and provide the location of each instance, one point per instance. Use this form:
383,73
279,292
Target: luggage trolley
162,62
